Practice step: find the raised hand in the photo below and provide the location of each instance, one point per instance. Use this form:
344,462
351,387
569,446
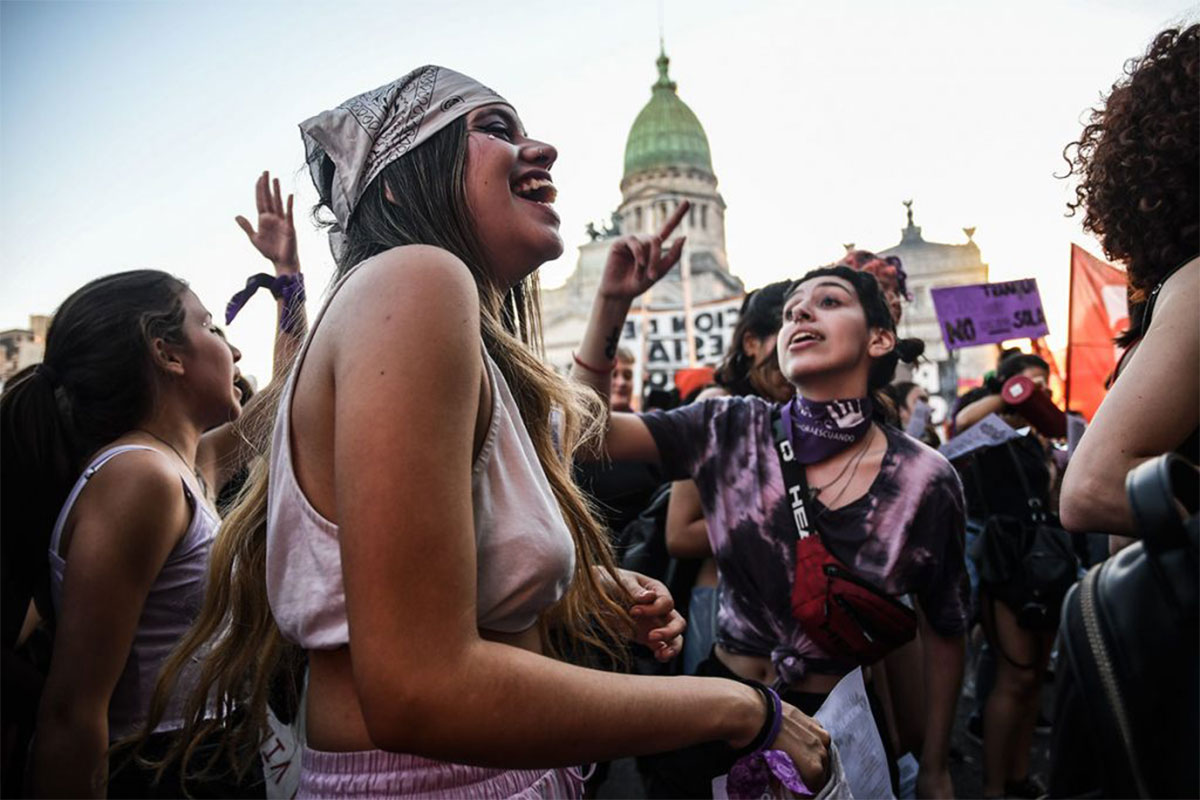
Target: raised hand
275,238
636,262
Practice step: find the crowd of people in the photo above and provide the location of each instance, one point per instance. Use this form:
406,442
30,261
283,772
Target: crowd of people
453,571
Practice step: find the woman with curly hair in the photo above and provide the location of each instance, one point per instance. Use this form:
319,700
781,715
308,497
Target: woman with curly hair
1137,162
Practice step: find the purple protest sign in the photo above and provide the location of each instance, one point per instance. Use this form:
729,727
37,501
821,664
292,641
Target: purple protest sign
984,313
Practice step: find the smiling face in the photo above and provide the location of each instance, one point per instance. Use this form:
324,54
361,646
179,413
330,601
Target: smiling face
510,194
825,343
208,366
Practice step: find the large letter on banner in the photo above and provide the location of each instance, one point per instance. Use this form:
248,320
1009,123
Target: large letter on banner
1098,314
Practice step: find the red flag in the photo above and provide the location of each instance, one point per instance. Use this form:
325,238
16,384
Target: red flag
1098,312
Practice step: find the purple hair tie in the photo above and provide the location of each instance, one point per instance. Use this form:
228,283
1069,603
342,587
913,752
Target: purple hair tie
288,287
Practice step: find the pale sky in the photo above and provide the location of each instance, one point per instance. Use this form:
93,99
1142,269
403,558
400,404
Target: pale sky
131,133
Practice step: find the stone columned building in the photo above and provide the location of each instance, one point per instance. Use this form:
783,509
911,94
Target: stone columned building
930,265
667,160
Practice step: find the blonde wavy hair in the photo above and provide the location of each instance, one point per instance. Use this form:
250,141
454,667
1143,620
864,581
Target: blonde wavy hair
242,656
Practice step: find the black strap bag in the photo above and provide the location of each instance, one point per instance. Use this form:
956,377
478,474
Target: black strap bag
1127,722
1027,562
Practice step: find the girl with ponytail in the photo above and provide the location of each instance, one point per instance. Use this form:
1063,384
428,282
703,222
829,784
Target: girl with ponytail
107,513
836,536
113,449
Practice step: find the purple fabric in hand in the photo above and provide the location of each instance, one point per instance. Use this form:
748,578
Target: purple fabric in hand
750,777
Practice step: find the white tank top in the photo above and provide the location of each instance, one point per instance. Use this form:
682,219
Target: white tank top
174,602
525,555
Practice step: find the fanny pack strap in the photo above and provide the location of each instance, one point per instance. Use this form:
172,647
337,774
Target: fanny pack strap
793,478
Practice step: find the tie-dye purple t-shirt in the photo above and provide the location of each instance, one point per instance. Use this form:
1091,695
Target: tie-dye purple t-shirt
905,535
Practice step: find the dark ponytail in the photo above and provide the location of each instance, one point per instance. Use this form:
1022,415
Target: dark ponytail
96,383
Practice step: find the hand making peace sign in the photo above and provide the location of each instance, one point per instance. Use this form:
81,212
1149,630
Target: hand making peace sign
636,262
276,235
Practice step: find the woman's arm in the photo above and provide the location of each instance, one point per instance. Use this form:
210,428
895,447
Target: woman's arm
943,661
407,363
275,240
970,414
634,264
687,532
128,519
1150,410
223,451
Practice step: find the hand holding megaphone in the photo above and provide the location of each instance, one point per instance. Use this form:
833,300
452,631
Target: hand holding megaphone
1035,405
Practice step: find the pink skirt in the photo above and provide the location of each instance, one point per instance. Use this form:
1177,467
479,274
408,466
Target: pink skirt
377,773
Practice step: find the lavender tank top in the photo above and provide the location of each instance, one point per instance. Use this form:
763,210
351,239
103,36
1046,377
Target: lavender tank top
171,606
525,553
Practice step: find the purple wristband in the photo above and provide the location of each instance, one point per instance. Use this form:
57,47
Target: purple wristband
777,722
771,724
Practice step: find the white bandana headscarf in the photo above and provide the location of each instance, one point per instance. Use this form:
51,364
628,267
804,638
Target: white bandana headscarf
366,133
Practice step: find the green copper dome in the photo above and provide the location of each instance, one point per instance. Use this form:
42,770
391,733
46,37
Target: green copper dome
666,133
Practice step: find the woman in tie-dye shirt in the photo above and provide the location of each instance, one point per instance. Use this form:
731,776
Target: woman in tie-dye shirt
887,506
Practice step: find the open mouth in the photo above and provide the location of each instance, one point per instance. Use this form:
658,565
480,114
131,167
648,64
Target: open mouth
536,190
805,338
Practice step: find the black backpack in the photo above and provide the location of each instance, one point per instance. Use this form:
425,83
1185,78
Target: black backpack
1128,693
642,547
1025,557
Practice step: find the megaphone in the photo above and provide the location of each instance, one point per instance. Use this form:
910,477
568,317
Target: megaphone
1034,404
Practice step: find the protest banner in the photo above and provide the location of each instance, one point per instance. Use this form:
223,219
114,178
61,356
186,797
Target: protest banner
986,313
659,338
988,432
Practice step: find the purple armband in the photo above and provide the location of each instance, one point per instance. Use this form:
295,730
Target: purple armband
289,288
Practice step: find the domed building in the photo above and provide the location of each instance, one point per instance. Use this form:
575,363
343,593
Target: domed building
932,265
667,160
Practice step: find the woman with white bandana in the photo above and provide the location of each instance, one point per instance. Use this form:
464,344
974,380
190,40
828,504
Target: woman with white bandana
415,531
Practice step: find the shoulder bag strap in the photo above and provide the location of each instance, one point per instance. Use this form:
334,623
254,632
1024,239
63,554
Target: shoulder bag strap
793,477
1037,511
977,474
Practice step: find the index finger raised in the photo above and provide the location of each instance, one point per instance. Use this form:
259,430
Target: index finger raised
673,221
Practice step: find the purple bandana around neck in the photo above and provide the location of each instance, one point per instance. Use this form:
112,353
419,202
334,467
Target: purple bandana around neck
820,430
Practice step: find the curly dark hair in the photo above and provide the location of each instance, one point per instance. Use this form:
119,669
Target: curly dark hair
1138,160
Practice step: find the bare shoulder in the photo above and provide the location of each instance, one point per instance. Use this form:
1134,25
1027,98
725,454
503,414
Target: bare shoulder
406,315
134,493
1179,294
135,474
413,274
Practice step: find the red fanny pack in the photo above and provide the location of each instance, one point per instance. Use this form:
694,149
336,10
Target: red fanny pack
847,616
